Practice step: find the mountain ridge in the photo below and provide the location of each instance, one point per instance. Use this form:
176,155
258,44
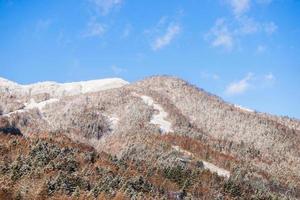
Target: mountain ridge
167,121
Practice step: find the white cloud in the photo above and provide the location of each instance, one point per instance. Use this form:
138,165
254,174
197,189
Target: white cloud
223,39
239,7
172,31
94,29
165,31
268,80
43,24
270,28
269,77
63,40
126,32
261,49
230,32
214,76
221,36
117,70
225,33
106,6
239,87
99,8
247,25
264,1
250,81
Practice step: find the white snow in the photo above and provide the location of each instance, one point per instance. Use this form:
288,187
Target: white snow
7,85
113,119
207,165
4,82
243,108
213,168
32,105
185,152
160,117
113,122
13,112
64,89
74,88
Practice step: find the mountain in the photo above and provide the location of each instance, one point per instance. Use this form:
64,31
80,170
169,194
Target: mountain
158,138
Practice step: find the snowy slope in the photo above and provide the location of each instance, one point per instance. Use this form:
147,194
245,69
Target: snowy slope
63,89
243,108
160,117
33,105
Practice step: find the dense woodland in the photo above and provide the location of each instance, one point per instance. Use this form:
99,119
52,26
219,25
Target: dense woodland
57,168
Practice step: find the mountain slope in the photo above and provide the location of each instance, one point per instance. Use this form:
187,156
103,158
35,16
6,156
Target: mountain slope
161,120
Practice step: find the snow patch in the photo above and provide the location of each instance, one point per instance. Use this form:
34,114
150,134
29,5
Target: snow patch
13,112
213,168
243,108
4,82
160,117
185,152
32,104
207,165
113,122
112,119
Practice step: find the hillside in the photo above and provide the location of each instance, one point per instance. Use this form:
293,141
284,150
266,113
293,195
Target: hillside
157,138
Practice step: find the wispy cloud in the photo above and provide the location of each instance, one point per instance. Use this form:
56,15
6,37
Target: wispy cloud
250,81
166,30
117,70
206,75
224,34
239,87
104,7
99,10
269,80
43,24
239,7
270,28
247,25
94,29
264,1
126,31
269,77
221,36
63,40
227,31
161,41
261,49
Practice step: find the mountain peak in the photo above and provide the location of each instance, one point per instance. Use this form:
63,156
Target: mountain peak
162,123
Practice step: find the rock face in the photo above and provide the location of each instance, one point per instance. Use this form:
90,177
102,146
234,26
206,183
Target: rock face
146,119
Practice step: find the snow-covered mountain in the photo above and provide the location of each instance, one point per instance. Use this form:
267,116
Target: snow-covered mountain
62,89
161,121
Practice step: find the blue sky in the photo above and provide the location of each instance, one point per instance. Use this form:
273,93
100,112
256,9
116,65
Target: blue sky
246,51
